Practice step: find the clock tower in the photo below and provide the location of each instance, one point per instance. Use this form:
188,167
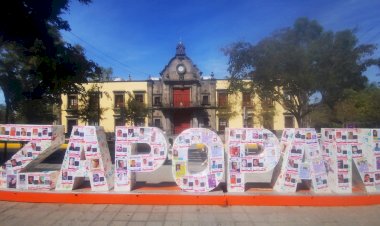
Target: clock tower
186,99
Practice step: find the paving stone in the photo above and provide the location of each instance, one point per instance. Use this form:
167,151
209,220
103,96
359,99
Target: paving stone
243,224
172,223
190,223
223,217
157,216
129,208
72,223
189,217
140,217
118,223
160,209
190,209
175,209
100,223
123,216
98,208
89,215
240,217
154,223
113,208
206,217
106,216
173,217
144,208
136,223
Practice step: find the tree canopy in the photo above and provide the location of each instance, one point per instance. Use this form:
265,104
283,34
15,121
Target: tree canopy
295,64
35,63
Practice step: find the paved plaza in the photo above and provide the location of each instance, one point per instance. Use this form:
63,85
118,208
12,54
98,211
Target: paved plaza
12,213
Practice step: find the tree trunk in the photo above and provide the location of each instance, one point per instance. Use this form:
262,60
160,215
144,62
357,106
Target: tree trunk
300,121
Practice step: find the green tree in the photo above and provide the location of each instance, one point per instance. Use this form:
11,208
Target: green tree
296,63
89,110
35,64
360,108
35,111
2,113
134,111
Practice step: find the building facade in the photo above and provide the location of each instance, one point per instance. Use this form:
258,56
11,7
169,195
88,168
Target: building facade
180,98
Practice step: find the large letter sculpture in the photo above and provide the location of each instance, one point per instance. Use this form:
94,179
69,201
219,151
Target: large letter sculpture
87,155
341,146
127,164
302,159
42,141
249,151
209,142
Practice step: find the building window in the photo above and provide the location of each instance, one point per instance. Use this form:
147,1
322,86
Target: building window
289,121
139,97
222,99
119,100
70,124
157,101
247,102
94,100
268,102
248,122
139,122
92,122
157,123
119,122
206,122
72,102
223,124
205,100
268,122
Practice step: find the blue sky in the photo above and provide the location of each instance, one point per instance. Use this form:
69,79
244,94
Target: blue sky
138,37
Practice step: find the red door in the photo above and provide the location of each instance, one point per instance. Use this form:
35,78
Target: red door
181,121
181,97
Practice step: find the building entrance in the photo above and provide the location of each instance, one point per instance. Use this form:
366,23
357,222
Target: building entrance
181,97
181,121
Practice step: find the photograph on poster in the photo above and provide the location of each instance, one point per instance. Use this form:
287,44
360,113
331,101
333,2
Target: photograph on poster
356,152
234,151
293,164
290,179
343,180
304,172
121,164
122,178
235,167
11,181
377,177
321,181
95,163
98,178
180,170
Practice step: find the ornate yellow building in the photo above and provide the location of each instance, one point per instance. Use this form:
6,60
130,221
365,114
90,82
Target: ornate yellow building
178,99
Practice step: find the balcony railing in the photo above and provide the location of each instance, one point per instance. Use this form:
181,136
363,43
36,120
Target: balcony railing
184,106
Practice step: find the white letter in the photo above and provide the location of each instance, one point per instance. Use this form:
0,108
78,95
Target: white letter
207,141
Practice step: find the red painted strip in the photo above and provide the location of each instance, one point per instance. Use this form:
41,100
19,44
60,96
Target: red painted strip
189,199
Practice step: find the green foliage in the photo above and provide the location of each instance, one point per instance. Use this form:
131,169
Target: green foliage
360,107
228,111
297,62
2,113
35,64
35,112
357,108
89,110
133,111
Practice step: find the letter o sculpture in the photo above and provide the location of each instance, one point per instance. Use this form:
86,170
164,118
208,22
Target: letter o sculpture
209,178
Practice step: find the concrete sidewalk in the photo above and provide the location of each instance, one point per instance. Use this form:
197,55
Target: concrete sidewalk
12,213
